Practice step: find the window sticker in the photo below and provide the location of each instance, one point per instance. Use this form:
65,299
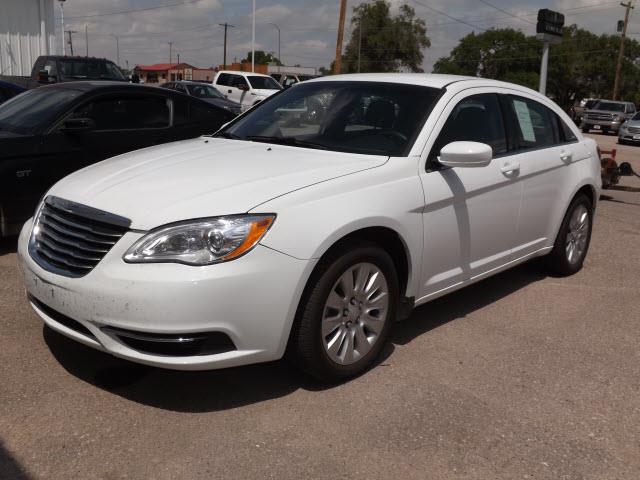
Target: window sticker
524,119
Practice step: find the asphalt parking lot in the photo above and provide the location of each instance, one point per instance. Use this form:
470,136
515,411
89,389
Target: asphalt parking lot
519,376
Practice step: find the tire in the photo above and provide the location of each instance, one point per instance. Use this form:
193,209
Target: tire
572,243
322,334
585,129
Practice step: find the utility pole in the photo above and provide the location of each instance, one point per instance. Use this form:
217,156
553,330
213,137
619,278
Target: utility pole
224,55
70,32
337,65
64,52
359,44
253,38
279,57
616,84
86,41
178,59
117,49
170,53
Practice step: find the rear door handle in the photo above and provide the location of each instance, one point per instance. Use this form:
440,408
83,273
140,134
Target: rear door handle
566,156
510,167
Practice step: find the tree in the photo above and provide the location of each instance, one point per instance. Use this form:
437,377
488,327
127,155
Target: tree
383,43
581,65
263,58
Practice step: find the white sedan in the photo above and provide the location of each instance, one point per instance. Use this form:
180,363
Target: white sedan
309,235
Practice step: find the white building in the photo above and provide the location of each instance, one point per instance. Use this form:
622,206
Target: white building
26,32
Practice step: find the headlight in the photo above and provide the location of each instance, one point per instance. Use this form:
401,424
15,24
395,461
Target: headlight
201,242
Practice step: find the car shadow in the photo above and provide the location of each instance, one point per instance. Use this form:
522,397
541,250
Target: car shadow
10,468
609,198
8,245
235,387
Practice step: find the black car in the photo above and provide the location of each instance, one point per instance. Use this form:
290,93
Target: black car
9,90
49,132
204,92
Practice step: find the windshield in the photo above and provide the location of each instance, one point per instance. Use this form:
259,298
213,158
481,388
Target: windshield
79,68
33,109
265,83
610,106
203,91
636,116
360,117
590,103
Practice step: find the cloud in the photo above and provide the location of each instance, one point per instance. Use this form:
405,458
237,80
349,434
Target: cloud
307,27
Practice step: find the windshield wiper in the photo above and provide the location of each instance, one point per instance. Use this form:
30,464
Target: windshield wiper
228,135
291,141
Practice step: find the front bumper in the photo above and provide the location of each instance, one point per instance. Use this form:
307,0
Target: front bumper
625,136
612,126
252,300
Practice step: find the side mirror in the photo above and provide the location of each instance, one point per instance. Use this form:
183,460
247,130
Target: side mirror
73,125
466,154
242,86
43,76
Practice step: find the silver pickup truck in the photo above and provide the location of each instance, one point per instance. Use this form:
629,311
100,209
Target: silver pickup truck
607,115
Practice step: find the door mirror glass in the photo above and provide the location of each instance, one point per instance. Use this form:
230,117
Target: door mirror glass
78,125
465,154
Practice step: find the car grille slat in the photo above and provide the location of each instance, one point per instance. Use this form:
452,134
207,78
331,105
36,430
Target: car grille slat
70,239
633,129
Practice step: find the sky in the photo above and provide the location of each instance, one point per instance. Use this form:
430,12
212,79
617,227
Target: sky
308,28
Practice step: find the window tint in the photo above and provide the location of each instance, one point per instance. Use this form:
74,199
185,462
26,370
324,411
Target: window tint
567,134
266,83
180,110
536,126
224,79
180,88
475,119
126,113
50,68
237,80
35,109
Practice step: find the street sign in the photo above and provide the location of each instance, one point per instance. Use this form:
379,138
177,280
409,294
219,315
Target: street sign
550,22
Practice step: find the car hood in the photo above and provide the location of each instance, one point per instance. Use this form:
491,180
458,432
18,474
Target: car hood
203,177
223,103
264,92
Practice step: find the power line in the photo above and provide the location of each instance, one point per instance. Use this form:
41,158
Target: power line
458,20
121,12
508,13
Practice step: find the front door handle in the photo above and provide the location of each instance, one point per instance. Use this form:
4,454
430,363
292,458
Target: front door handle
510,167
566,156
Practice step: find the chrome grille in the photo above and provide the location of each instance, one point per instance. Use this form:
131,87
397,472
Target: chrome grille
600,116
70,239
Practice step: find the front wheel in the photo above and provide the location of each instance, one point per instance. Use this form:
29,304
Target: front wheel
344,319
572,243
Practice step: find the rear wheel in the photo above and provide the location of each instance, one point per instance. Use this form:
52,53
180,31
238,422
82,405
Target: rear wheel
572,243
585,129
344,319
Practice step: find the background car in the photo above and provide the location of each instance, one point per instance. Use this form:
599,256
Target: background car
607,115
204,92
49,132
630,130
9,90
246,88
288,79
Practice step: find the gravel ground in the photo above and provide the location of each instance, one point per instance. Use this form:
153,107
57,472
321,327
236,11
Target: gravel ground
519,376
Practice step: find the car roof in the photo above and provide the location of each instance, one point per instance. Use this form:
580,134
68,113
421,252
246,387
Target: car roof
434,80
244,74
88,85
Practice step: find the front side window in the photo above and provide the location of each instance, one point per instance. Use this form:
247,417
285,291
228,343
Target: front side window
35,109
373,118
475,119
90,69
126,113
237,80
536,126
263,83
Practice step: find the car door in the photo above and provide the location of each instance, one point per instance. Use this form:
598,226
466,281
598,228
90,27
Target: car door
545,149
470,214
123,122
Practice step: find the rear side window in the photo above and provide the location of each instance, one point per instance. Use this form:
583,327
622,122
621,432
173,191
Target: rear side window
223,79
536,126
209,115
477,118
566,134
126,113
